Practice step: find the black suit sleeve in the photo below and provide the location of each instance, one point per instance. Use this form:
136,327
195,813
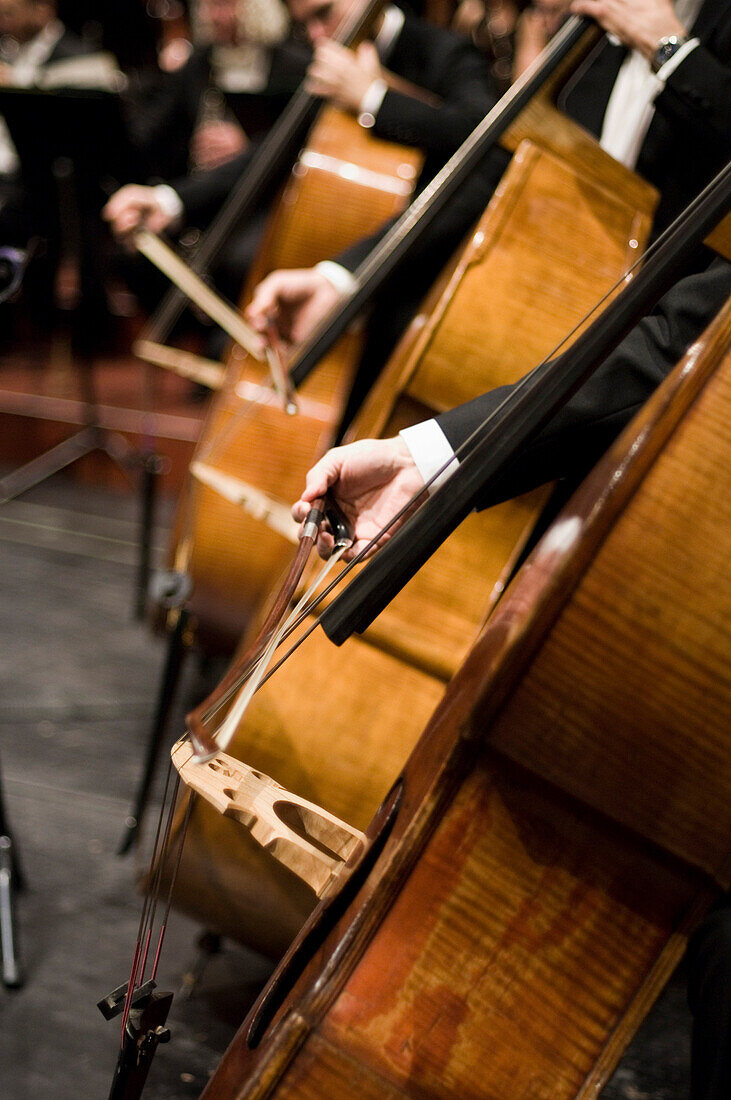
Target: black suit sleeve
203,193
580,433
440,129
696,98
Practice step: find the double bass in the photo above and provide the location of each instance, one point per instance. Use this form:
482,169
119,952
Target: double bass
232,557
564,820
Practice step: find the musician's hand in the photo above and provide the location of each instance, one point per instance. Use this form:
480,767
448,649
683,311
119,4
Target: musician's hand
639,24
134,207
213,143
294,301
371,480
343,76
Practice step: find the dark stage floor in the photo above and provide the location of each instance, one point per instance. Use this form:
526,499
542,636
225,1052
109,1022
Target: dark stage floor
78,680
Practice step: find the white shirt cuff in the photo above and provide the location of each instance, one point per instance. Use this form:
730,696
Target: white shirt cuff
371,102
670,66
170,203
431,452
342,279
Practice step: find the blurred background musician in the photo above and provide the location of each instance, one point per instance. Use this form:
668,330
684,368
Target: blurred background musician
511,33
662,106
437,61
32,38
239,73
239,76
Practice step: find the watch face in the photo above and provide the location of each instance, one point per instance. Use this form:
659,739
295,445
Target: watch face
665,50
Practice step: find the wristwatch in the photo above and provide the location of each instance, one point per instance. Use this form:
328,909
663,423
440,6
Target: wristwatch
665,49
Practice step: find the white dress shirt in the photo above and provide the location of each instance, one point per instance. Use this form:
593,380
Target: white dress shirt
631,104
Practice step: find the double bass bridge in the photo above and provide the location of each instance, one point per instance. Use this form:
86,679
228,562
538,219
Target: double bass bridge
313,843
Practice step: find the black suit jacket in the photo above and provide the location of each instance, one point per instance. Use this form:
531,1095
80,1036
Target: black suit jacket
570,445
689,139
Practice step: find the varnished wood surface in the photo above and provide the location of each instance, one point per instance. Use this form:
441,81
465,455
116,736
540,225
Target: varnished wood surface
511,936
346,183
497,972
656,613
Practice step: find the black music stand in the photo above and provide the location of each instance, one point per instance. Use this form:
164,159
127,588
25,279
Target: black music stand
73,148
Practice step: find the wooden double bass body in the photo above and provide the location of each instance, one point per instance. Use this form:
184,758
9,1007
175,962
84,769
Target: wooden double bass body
340,740
564,819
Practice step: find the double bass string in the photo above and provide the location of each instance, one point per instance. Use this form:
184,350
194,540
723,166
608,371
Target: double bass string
152,893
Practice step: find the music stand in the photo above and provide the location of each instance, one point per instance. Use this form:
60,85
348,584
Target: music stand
73,148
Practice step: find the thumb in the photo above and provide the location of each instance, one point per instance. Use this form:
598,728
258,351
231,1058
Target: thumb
323,475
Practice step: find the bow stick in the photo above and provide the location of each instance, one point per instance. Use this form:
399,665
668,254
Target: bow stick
213,305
